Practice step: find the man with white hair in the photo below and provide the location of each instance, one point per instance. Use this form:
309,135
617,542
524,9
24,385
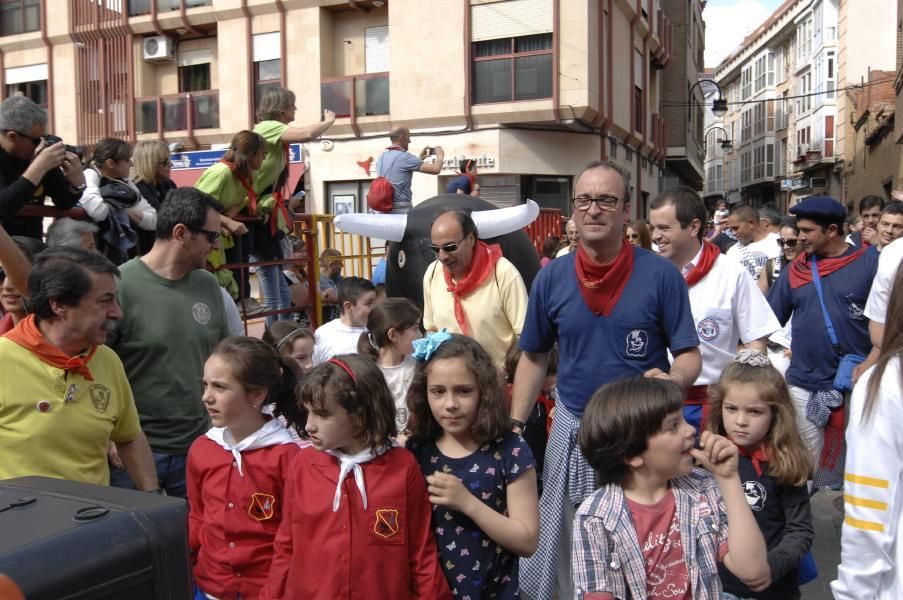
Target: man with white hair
72,234
570,230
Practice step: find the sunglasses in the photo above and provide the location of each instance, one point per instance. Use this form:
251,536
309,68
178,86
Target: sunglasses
166,162
212,236
789,242
447,248
34,140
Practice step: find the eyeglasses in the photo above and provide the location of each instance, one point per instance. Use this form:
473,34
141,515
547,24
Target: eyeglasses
2,275
166,162
447,248
789,242
34,140
212,236
609,203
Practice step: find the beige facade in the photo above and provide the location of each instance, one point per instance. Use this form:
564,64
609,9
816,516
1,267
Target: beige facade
580,80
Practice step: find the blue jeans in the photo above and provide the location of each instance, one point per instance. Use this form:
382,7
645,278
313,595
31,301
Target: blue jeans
275,292
170,474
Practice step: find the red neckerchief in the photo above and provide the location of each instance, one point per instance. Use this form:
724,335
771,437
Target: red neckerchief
399,148
279,206
757,457
602,285
710,253
485,257
252,197
800,270
27,335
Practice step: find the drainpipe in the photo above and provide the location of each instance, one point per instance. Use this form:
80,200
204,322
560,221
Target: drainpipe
468,117
556,59
46,39
250,60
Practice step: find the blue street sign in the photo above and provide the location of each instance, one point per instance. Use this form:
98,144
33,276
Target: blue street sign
201,159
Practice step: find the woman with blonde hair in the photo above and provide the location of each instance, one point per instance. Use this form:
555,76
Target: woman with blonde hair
276,110
151,167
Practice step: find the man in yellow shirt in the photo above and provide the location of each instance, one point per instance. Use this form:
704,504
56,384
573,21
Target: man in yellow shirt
471,288
64,395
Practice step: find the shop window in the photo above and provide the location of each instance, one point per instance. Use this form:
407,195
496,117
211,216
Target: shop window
511,69
19,16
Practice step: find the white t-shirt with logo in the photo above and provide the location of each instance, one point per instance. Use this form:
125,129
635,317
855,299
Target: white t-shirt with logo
399,378
888,263
728,308
754,255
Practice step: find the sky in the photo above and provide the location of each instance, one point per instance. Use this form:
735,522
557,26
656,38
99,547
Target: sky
728,21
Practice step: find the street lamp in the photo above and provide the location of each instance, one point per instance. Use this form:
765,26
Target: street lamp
726,144
719,105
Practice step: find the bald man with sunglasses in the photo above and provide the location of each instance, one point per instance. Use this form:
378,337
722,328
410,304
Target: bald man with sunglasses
32,169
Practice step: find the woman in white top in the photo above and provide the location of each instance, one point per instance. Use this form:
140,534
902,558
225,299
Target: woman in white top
113,160
871,546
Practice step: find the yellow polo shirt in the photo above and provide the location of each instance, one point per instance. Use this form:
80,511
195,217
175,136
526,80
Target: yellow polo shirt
58,424
495,311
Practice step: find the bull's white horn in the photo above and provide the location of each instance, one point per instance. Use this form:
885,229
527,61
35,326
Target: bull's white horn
382,227
499,221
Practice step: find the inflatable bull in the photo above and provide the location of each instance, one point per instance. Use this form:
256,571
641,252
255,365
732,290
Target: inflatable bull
409,254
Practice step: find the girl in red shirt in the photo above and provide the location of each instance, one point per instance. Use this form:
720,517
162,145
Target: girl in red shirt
357,515
236,470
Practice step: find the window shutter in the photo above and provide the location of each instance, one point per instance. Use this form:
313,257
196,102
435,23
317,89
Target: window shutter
195,57
26,74
266,46
376,49
510,18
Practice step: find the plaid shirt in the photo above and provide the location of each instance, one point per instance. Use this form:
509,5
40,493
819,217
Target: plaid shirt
606,555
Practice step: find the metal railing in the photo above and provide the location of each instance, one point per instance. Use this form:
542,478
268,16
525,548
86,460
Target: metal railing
177,112
356,95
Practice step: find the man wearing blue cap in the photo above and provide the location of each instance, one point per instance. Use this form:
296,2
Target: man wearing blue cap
845,275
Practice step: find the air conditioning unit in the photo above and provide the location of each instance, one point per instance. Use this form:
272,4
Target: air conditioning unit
802,149
159,48
818,182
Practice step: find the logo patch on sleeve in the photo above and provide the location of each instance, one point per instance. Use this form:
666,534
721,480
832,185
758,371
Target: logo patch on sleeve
386,524
262,506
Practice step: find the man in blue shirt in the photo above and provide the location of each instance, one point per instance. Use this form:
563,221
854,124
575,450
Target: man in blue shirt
846,275
615,311
398,165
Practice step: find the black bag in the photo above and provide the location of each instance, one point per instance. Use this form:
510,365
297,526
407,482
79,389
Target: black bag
63,539
118,193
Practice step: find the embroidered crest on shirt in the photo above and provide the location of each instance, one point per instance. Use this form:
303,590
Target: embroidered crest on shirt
386,523
100,397
262,506
856,311
201,313
755,494
708,329
637,343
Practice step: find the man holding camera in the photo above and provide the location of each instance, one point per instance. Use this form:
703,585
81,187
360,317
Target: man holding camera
398,165
33,167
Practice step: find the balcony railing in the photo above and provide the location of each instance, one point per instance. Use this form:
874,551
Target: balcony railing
143,7
179,112
367,94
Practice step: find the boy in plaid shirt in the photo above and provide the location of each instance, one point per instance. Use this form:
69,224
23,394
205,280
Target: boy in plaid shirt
657,527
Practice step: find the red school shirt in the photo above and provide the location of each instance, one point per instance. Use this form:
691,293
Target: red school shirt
384,551
233,518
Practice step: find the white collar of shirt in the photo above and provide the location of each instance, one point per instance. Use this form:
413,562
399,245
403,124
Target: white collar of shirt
272,433
685,270
351,463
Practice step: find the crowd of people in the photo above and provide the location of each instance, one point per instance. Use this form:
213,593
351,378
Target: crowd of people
649,419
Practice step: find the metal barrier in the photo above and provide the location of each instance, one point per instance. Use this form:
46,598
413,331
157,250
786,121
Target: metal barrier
548,223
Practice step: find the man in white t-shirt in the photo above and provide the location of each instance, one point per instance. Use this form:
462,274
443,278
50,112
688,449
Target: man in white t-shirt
879,295
727,306
755,245
356,296
570,230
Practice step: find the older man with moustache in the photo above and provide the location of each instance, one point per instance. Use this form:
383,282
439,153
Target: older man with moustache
615,311
64,395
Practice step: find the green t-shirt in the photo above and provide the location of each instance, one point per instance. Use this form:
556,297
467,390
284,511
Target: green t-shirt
274,163
167,332
219,182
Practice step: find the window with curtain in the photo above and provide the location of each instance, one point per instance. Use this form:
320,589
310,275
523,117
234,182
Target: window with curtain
512,69
19,16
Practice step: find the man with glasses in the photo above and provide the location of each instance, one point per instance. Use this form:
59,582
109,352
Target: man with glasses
471,288
173,317
727,306
31,169
615,311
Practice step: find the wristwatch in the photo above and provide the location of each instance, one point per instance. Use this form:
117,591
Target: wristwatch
515,423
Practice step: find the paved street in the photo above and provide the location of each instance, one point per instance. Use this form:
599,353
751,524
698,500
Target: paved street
827,543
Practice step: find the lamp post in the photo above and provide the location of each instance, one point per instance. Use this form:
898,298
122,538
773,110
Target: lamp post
719,105
726,144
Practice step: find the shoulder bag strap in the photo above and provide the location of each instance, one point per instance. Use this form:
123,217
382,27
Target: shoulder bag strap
816,281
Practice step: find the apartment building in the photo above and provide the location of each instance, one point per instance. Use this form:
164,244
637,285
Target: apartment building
531,89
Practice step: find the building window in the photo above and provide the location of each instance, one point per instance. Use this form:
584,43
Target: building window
267,74
746,126
639,77
194,78
760,73
746,82
511,69
33,90
829,136
613,148
830,81
19,16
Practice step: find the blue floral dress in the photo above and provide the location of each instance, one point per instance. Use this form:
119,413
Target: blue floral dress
475,566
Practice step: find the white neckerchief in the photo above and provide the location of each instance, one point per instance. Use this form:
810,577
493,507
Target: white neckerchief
271,434
349,463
